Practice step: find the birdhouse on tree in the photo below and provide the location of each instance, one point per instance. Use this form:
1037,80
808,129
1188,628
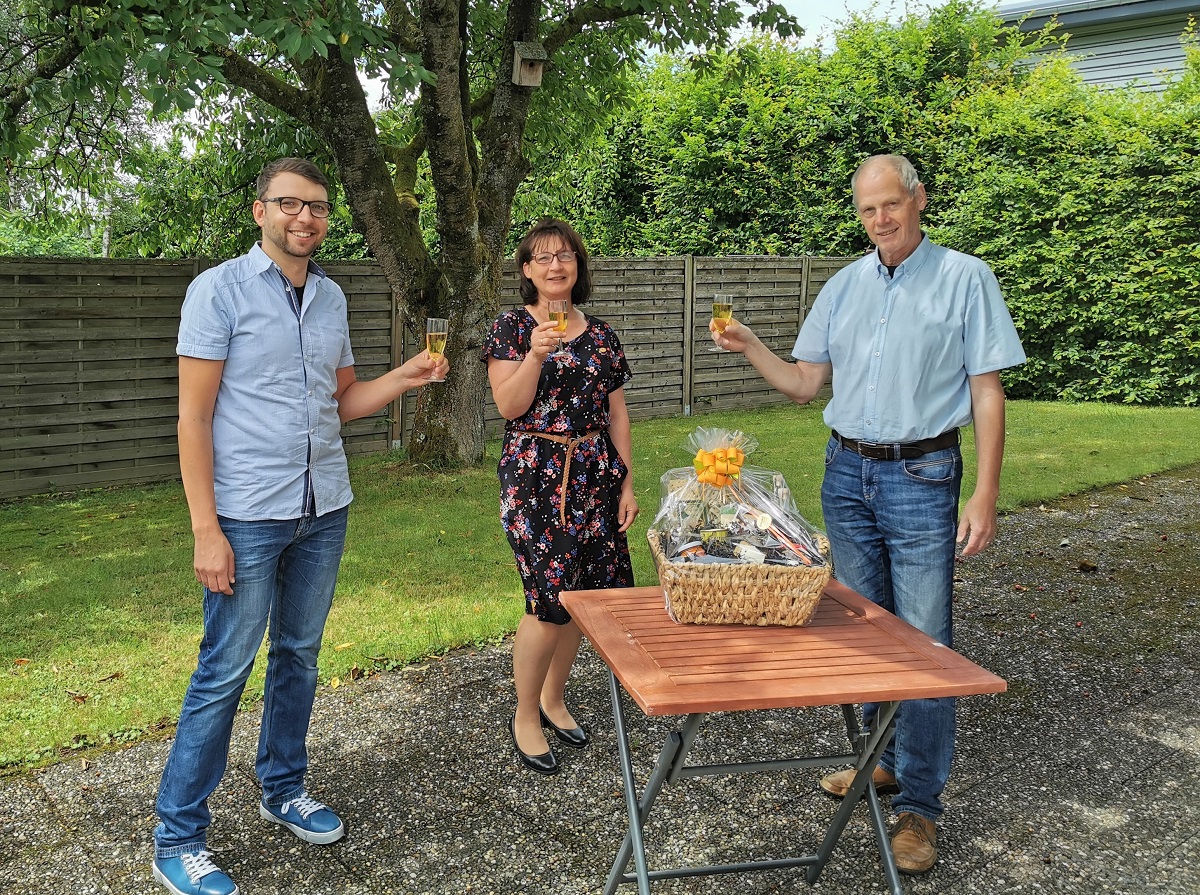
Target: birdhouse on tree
528,59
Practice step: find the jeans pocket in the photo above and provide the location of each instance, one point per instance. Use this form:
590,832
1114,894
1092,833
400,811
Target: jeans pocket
935,470
831,450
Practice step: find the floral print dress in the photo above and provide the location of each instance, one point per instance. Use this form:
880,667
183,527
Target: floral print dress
560,495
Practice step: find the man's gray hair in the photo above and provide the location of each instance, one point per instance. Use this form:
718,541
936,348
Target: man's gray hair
898,163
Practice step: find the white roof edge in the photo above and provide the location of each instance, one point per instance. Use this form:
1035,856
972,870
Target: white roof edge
1081,12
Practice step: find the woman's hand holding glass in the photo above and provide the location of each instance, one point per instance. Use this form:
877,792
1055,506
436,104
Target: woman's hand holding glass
560,313
544,340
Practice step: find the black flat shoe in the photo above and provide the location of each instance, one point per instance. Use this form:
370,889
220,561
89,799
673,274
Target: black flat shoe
576,737
544,764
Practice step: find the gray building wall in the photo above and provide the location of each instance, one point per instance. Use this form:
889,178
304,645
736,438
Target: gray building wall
1115,43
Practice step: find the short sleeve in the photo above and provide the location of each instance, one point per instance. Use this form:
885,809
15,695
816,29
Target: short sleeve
205,321
346,356
619,372
990,340
508,339
812,344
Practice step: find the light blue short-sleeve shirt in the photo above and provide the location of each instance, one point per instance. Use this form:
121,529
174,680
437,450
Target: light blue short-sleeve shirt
275,423
902,347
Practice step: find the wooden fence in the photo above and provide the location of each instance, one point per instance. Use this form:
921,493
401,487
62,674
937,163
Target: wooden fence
88,368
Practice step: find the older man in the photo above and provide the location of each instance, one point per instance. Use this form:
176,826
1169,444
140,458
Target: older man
915,336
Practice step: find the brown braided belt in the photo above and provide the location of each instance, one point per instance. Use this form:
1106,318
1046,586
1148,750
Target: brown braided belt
571,444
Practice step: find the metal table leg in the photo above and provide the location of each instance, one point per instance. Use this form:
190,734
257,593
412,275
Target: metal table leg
869,754
671,765
672,755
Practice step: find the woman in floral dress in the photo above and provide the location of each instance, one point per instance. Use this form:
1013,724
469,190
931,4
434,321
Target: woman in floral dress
566,487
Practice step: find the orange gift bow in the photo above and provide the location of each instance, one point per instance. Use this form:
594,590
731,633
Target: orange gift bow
719,467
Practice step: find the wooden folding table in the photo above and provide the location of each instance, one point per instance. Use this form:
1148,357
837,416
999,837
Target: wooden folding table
852,652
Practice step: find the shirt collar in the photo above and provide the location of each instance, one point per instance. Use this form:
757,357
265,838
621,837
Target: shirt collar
262,261
909,265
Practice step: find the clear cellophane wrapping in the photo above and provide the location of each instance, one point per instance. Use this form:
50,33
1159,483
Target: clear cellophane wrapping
729,542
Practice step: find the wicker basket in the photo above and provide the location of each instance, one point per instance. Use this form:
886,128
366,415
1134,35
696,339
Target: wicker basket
741,594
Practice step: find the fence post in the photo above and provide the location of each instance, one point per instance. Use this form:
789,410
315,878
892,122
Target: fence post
689,307
805,304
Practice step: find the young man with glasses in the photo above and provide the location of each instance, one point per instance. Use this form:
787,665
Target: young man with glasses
266,379
914,336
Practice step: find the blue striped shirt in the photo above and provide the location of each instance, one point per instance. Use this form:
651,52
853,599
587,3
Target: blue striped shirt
276,430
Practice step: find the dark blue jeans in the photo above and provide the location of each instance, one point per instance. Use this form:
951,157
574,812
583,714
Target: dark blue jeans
892,526
285,574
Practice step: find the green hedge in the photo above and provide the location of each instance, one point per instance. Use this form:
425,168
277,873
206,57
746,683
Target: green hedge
1086,203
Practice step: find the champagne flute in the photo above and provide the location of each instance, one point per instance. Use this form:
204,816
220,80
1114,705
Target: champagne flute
722,313
436,331
559,309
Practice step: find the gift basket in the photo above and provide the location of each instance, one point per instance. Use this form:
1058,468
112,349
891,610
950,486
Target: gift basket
729,545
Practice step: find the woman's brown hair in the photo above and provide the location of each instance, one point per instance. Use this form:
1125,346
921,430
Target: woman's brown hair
548,227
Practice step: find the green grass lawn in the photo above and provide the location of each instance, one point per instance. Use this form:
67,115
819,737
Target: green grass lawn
100,615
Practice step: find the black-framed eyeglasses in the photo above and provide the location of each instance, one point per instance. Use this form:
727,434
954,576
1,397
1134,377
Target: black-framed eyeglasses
291,205
546,258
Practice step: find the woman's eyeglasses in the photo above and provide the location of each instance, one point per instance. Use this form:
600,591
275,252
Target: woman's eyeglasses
292,205
545,258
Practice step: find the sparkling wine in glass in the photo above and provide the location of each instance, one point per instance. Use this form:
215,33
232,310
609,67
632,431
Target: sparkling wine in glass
559,310
722,313
436,331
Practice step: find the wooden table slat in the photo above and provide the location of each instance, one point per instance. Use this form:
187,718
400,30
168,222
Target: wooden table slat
851,652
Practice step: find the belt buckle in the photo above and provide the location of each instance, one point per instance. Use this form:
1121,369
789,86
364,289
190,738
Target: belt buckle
876,451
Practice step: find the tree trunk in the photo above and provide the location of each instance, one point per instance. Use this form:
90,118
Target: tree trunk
474,199
473,216
448,426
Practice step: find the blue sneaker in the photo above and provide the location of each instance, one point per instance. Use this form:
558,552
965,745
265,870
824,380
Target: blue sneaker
193,874
307,818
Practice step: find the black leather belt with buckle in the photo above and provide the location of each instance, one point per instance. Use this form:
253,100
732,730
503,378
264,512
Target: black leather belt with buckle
907,450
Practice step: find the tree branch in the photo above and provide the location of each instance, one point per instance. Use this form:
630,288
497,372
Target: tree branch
570,27
241,72
402,25
579,18
16,95
447,136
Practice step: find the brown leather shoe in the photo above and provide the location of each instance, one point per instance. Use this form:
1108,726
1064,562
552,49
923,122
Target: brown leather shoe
914,843
837,785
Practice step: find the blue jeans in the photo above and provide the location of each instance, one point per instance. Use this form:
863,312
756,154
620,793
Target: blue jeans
892,526
285,574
